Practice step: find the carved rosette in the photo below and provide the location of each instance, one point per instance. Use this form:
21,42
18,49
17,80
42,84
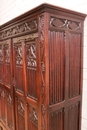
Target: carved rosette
21,109
41,33
1,53
33,115
65,23
31,56
7,53
19,60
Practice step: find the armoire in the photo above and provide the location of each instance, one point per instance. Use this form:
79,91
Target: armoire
41,57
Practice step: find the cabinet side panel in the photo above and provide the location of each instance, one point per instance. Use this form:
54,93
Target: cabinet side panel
74,69
57,66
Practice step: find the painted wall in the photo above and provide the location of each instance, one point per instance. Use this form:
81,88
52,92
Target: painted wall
12,8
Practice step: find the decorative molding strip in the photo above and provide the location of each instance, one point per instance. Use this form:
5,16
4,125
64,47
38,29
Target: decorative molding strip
23,27
25,38
41,33
64,23
33,116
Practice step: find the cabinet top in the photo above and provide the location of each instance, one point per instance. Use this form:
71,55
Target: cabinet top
5,29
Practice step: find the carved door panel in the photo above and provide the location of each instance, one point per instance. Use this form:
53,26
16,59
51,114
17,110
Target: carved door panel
3,105
7,63
1,63
9,110
32,116
31,69
20,113
18,66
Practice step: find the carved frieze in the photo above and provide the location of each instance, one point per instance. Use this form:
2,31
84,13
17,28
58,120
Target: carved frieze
7,53
31,55
26,38
65,23
21,109
23,27
33,116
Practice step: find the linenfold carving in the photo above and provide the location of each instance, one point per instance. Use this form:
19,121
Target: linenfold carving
64,23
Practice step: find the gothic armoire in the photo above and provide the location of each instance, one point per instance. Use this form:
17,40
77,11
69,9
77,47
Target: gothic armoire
41,55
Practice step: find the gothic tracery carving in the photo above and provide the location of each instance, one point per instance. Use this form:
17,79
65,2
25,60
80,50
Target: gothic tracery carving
33,115
2,93
19,59
31,55
7,53
27,26
21,109
64,23
9,99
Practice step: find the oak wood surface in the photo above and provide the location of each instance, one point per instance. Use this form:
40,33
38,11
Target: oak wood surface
41,70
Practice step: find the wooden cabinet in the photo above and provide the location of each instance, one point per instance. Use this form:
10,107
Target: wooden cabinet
41,70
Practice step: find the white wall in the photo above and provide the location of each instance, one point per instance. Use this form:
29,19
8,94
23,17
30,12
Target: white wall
12,8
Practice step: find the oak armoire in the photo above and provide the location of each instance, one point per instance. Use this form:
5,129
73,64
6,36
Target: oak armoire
41,55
